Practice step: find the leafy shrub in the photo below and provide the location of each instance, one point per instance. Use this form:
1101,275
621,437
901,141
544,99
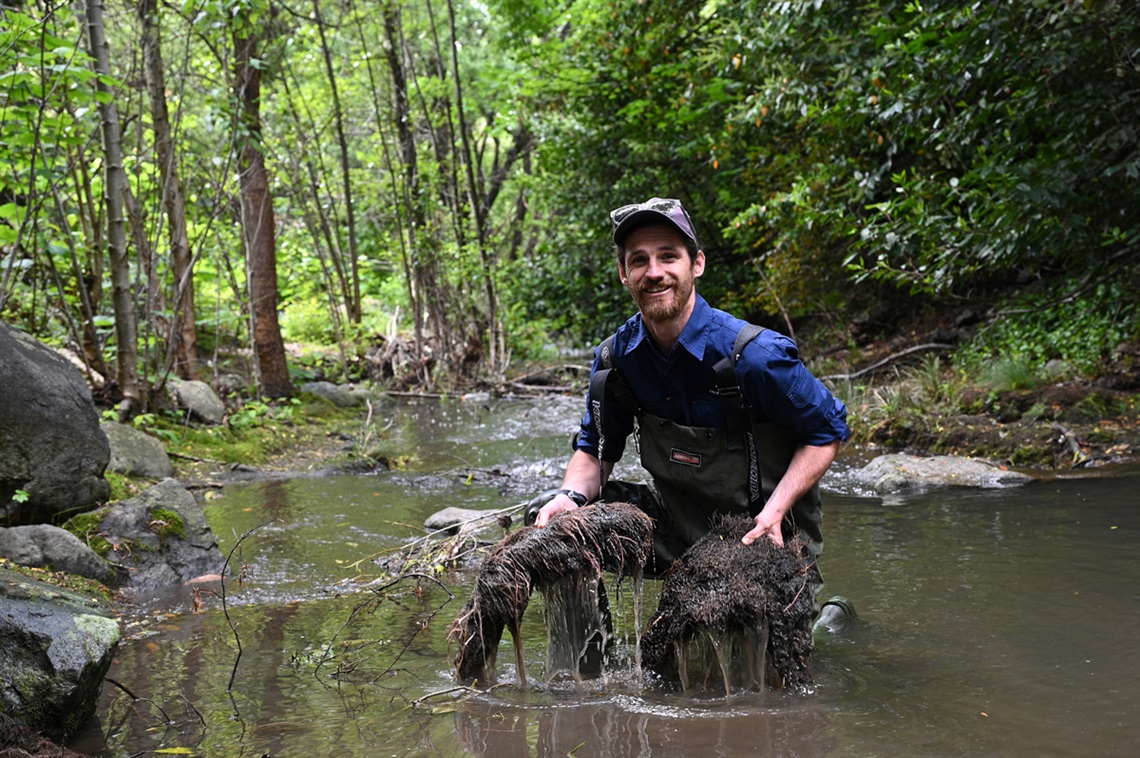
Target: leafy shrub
1038,327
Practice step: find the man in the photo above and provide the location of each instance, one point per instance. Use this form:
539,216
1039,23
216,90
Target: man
711,446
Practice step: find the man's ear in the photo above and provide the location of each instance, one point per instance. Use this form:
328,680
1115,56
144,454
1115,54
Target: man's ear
699,264
621,274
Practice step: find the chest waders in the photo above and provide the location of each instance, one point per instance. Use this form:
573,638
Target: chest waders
699,472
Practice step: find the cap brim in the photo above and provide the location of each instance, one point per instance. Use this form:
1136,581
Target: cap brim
645,217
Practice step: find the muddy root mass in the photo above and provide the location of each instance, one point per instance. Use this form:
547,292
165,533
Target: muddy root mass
614,537
720,586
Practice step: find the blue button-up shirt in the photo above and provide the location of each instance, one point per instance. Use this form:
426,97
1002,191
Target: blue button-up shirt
681,387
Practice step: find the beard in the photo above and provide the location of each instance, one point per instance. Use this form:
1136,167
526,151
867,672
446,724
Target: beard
658,308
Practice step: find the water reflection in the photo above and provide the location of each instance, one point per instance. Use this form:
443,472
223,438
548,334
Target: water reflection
635,726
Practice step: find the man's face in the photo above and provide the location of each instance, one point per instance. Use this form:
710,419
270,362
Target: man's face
659,273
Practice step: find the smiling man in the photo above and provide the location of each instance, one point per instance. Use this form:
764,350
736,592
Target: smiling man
726,417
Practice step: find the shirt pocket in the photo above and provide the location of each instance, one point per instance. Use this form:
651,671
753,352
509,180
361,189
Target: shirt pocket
803,392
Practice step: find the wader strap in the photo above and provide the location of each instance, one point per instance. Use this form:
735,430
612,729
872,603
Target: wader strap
736,418
598,392
607,384
738,422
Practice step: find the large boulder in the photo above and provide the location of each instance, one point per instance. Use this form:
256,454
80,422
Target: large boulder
901,473
55,648
51,446
159,537
136,453
47,546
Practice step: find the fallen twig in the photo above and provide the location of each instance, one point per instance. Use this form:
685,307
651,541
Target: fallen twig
889,359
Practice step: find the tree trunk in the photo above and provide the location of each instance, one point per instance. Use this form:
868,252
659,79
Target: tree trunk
352,302
115,186
430,288
183,348
258,234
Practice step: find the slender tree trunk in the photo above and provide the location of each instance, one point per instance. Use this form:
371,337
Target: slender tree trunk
429,286
258,234
494,324
183,332
353,302
115,187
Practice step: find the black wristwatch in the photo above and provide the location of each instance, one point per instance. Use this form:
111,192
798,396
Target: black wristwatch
574,495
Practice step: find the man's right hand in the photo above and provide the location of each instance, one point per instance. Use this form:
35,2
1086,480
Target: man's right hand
560,504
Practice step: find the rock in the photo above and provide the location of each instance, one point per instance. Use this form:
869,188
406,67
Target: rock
136,453
899,473
160,537
46,546
51,446
454,520
198,398
17,741
340,396
55,648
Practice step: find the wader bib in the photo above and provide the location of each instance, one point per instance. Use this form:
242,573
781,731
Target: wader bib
699,472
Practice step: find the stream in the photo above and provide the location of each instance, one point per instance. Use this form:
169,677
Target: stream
990,623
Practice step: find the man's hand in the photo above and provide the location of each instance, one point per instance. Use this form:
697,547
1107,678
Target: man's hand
765,526
804,471
560,504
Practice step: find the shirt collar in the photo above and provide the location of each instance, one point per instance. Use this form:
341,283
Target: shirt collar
693,337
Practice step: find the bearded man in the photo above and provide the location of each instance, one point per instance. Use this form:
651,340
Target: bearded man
726,416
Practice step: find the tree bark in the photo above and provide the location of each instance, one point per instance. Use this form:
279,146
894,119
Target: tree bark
183,348
258,233
115,186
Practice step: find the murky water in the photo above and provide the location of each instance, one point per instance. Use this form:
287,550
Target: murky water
991,623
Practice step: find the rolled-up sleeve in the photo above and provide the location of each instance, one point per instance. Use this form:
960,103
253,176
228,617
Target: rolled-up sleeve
781,389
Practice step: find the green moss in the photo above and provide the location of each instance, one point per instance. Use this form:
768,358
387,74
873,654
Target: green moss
61,579
122,486
87,527
167,523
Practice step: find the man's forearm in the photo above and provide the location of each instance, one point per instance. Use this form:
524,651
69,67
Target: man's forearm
583,474
807,467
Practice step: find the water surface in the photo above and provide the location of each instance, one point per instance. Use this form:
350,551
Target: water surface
991,623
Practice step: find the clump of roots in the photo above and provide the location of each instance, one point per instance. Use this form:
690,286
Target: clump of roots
614,537
721,587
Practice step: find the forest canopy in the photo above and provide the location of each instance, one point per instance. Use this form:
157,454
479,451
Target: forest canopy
183,179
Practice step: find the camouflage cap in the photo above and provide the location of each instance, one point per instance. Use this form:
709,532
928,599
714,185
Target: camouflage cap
629,217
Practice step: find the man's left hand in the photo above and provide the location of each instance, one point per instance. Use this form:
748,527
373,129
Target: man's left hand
764,527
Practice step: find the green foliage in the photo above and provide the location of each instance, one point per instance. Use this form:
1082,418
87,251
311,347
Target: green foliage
930,149
1081,329
256,413
1010,373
